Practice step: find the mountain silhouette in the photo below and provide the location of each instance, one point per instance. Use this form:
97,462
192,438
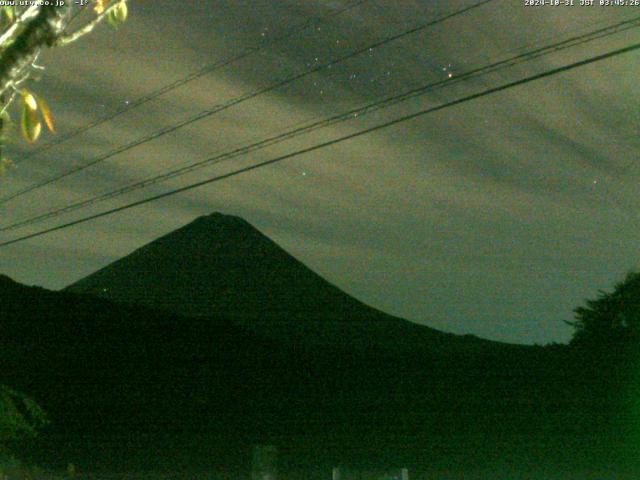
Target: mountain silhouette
221,265
133,388
212,338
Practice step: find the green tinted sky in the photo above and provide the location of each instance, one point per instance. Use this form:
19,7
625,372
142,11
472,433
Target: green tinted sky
495,217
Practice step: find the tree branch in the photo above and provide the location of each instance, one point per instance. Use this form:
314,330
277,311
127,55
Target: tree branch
43,30
88,28
31,12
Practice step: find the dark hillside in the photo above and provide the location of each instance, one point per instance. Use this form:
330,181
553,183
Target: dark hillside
120,382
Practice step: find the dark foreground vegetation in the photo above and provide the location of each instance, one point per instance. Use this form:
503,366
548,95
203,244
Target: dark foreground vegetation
134,389
129,389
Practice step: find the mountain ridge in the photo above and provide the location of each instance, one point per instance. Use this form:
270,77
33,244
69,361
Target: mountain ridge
234,229
220,264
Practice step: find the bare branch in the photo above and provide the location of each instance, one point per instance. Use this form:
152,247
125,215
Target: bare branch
5,106
88,28
14,84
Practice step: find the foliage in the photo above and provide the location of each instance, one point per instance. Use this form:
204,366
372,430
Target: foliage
612,318
24,31
8,463
20,416
31,124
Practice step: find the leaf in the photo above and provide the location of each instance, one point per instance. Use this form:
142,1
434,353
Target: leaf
9,13
111,20
122,11
29,99
30,124
46,114
101,6
118,15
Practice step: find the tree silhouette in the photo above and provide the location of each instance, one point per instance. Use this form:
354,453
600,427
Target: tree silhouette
612,319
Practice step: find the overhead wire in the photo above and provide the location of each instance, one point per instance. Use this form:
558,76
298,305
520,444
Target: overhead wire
207,69
332,120
387,124
236,101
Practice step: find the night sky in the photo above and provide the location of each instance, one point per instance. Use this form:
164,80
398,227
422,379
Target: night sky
495,217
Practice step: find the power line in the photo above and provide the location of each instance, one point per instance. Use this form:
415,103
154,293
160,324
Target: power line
335,141
360,111
236,101
183,81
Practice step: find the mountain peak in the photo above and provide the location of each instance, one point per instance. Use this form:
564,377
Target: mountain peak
218,216
215,223
219,227
221,264
221,218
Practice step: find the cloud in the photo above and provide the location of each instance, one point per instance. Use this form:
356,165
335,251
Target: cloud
482,218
